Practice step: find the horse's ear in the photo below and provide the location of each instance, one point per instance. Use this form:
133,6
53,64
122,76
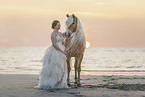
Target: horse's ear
73,15
67,15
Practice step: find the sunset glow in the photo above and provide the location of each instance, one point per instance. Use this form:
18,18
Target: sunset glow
106,23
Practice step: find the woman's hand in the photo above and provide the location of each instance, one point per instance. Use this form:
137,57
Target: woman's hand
64,52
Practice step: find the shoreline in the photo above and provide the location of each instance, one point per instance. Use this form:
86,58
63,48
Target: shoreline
86,73
21,85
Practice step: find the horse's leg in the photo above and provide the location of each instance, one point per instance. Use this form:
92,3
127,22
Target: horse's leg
68,70
79,69
75,65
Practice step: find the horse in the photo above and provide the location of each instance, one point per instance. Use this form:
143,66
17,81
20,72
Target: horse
74,46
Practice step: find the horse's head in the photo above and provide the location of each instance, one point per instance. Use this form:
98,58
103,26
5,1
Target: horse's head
71,24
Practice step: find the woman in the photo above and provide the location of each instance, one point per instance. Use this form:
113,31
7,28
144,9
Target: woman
53,73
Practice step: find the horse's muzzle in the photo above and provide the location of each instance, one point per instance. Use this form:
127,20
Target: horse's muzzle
68,34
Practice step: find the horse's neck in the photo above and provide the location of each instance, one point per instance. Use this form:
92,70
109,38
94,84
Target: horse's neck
76,44
78,38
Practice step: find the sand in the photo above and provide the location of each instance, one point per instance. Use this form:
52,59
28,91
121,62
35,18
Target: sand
21,85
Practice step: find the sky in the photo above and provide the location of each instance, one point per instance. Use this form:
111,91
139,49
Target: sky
106,23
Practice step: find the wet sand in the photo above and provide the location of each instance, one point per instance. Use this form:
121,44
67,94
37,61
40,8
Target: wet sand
21,85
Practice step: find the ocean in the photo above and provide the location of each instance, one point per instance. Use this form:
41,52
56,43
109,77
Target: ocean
96,61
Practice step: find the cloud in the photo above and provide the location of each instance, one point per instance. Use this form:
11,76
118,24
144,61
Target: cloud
100,3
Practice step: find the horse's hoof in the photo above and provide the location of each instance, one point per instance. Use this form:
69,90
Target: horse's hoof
78,84
75,86
75,82
69,84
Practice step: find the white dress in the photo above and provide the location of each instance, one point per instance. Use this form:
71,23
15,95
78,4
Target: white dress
54,70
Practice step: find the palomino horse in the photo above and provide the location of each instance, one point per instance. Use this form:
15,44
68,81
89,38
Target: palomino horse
75,46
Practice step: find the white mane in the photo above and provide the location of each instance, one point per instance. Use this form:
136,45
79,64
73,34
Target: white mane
77,36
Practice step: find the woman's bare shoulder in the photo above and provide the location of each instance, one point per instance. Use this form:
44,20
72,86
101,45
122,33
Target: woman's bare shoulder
53,34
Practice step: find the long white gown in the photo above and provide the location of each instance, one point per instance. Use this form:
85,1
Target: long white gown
54,70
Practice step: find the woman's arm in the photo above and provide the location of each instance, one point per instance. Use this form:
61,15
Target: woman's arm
63,34
53,39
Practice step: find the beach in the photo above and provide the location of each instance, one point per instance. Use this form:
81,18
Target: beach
22,85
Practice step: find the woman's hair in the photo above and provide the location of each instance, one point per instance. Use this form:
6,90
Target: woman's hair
54,23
